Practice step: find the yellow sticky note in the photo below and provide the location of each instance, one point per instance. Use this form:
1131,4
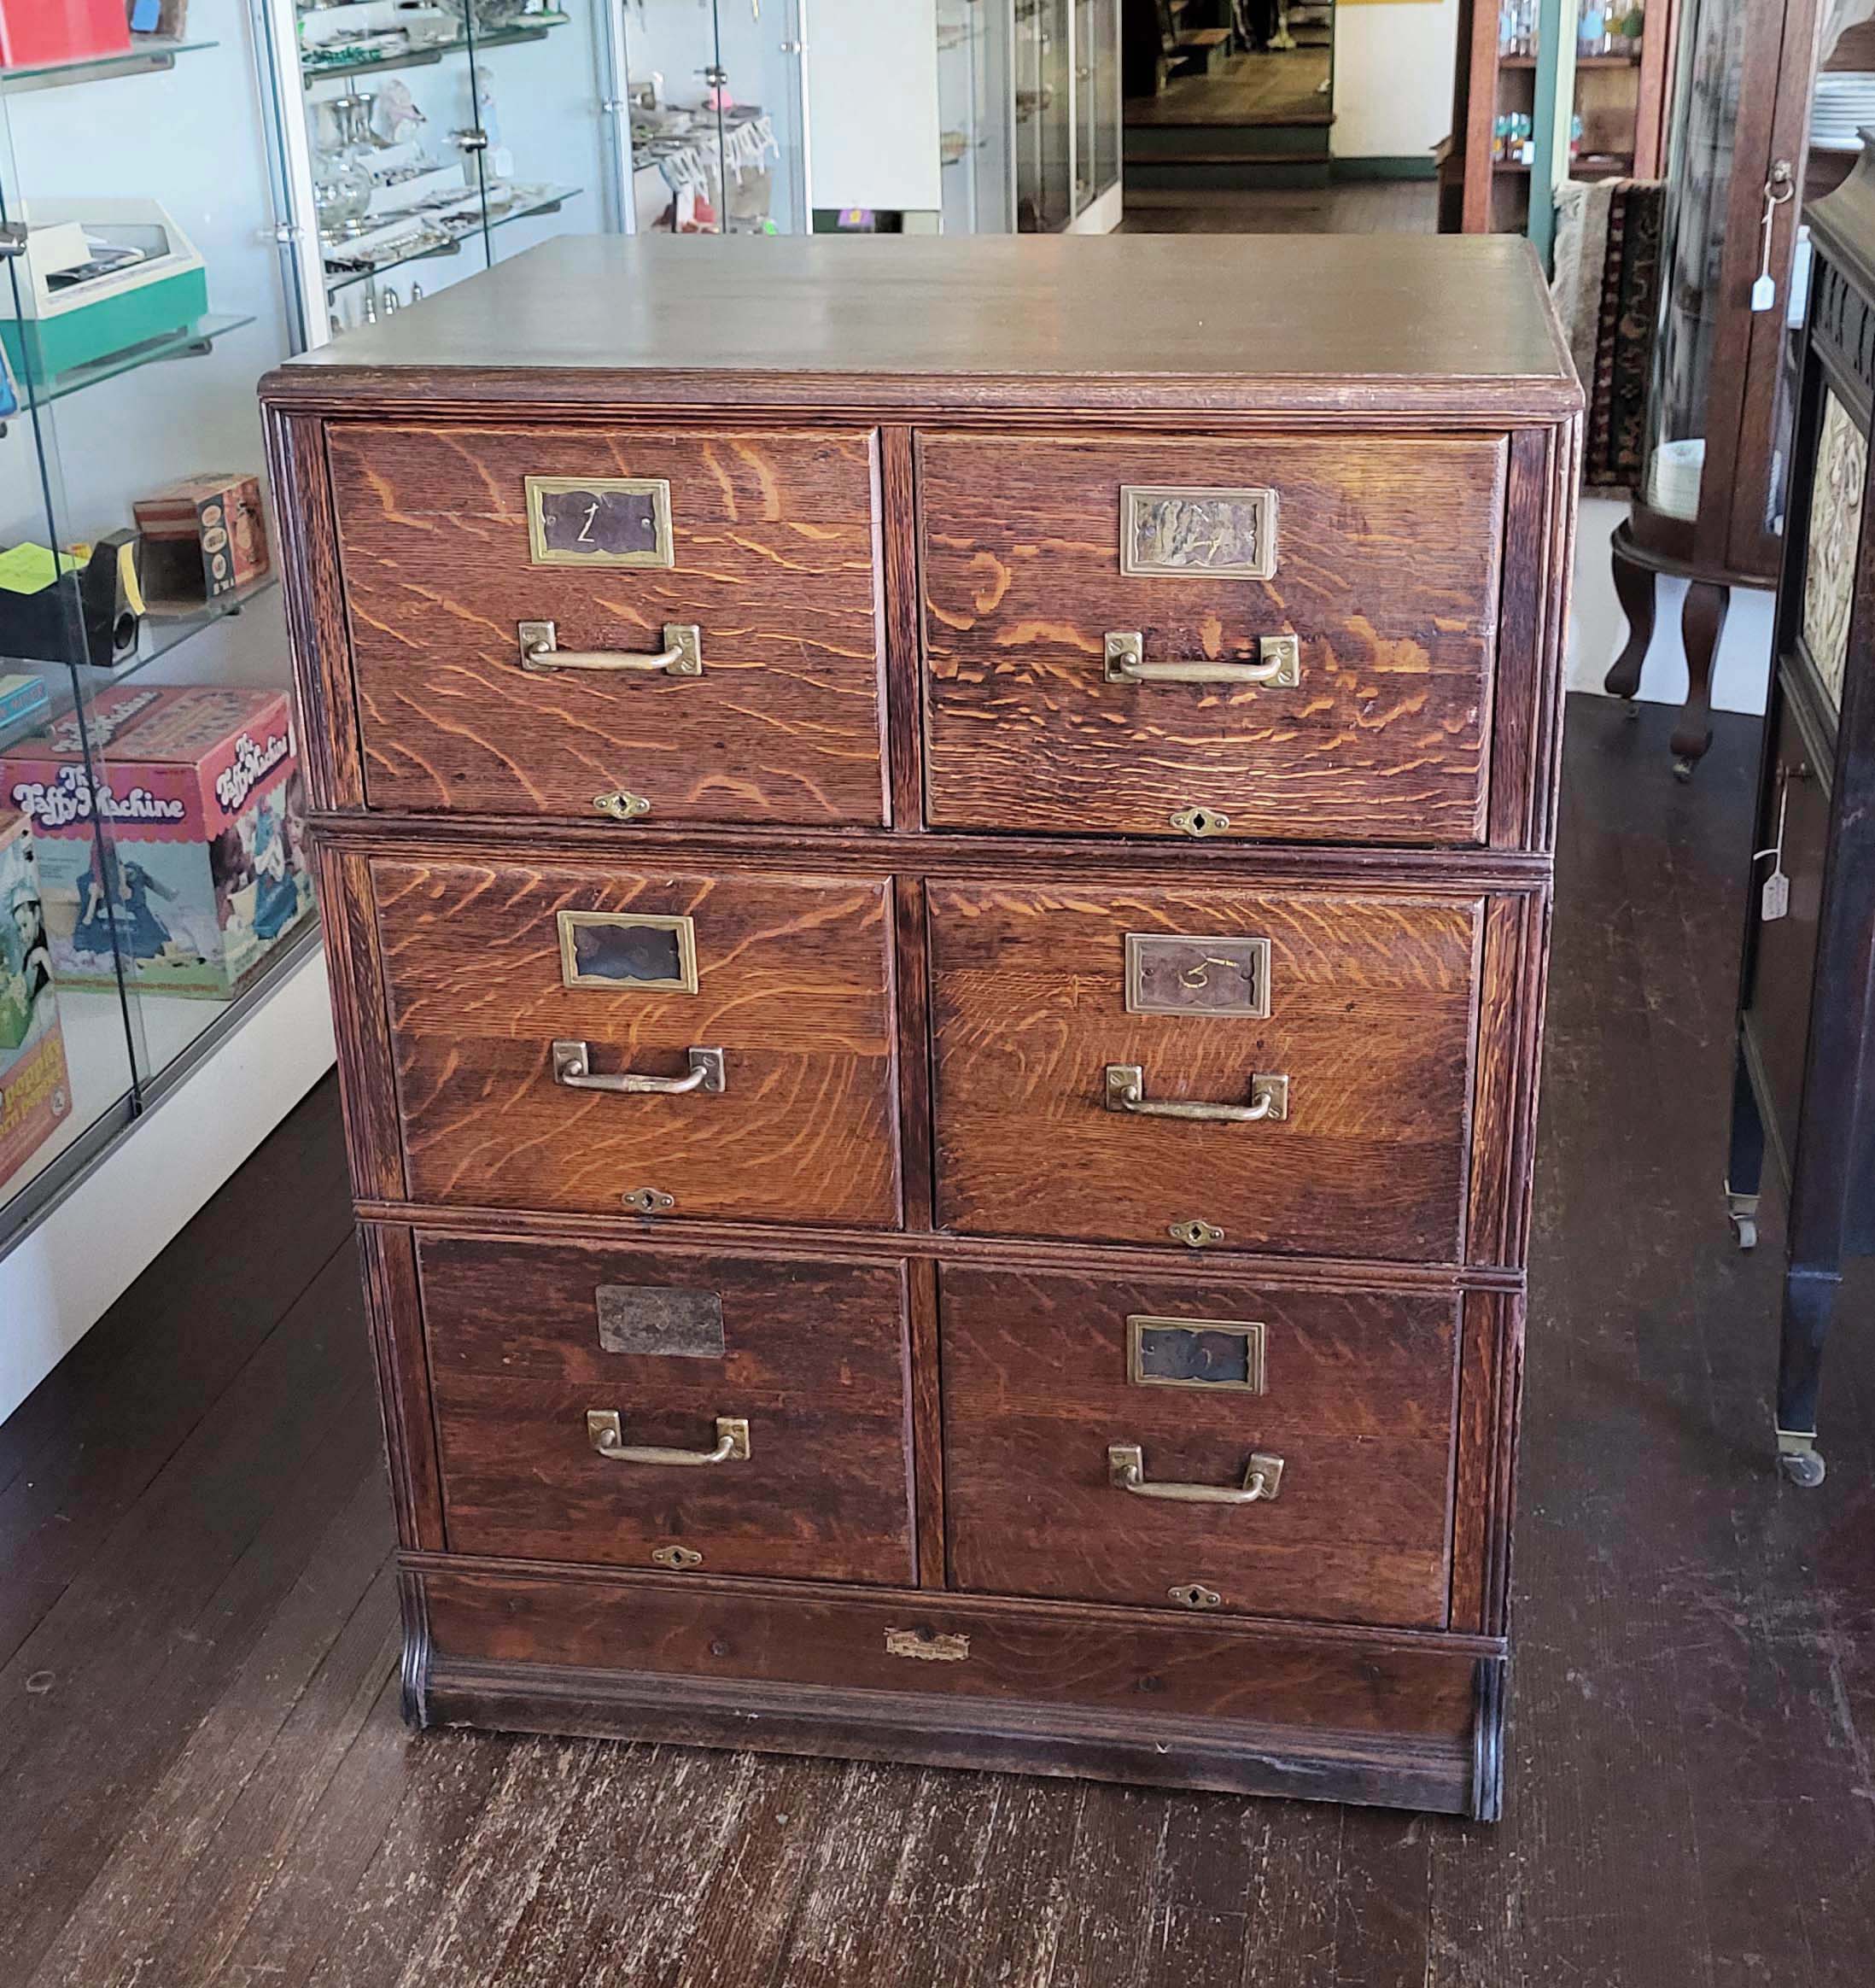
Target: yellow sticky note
30,569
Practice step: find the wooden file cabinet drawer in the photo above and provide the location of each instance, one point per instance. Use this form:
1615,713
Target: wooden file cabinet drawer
540,1352
1383,563
1056,1060
515,993
1204,1386
771,558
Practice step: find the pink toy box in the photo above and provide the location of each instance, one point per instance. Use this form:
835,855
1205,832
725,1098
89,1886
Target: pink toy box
35,1095
201,870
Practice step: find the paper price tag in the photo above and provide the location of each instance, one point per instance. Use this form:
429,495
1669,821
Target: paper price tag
1775,901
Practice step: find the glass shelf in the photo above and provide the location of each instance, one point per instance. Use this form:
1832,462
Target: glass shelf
194,338
149,54
461,229
157,634
534,27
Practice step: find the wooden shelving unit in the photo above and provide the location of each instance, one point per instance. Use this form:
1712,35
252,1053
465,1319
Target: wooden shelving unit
1622,99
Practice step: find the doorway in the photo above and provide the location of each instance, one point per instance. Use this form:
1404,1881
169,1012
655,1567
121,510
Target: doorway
1285,116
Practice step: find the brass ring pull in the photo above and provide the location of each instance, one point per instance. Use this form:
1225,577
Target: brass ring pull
1126,1091
603,1432
1281,668
1127,1471
681,656
573,1066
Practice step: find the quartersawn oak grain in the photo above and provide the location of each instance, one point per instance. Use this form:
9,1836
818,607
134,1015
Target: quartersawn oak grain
1358,1401
792,980
776,558
1371,1021
813,1359
1387,570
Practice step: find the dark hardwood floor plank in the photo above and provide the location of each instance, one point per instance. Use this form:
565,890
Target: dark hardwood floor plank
188,1872
1196,1929
749,1903
860,1862
1105,1938
1024,1893
618,1895
171,1346
435,1786
498,1872
139,1647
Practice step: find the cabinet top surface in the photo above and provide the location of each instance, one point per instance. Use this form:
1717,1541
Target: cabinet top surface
1354,322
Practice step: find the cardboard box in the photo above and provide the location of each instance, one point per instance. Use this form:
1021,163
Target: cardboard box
40,34
203,537
35,1091
203,872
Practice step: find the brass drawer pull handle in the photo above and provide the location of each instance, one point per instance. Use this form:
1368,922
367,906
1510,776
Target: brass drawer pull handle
603,1432
573,1066
682,653
1126,1091
1127,1471
1281,668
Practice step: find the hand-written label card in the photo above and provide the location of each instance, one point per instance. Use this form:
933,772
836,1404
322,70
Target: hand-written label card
1172,973
603,520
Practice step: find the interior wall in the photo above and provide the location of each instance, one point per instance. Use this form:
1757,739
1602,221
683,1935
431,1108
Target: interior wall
872,77
1599,629
1393,67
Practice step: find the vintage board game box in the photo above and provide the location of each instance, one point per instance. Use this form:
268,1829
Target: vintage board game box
202,872
203,537
35,1093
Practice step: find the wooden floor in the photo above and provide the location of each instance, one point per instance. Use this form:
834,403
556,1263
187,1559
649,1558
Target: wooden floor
1359,206
1255,88
204,1782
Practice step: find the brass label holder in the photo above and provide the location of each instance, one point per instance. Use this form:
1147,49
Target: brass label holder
639,952
1178,974
1215,1354
600,520
1180,531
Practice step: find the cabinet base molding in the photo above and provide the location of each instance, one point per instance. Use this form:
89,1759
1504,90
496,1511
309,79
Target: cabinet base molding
1248,1709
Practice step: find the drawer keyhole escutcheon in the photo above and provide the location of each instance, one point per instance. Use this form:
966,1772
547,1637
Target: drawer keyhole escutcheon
1200,821
675,1557
649,1201
1194,1234
604,1433
621,806
1126,1092
1192,1595
1127,1471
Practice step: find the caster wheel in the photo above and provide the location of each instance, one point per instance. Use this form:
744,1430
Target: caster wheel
1746,1230
1804,1468
1683,770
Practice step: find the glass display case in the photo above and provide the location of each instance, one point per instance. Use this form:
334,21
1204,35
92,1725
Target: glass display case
974,86
1096,102
419,144
1730,303
154,887
718,115
1045,115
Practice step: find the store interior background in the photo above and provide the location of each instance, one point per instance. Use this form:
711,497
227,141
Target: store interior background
861,123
